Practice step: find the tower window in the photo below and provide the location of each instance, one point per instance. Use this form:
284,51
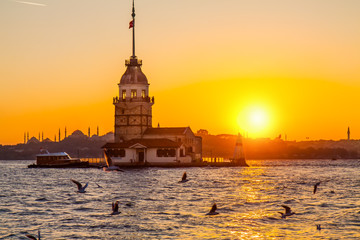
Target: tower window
123,94
143,93
133,93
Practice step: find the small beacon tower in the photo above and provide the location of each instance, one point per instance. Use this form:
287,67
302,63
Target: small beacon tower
133,107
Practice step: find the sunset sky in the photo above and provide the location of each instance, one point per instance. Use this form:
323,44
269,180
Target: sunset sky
260,67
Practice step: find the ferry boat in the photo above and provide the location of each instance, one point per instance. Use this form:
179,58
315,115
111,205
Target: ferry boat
57,160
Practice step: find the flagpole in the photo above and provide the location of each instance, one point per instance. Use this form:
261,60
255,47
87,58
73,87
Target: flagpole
133,16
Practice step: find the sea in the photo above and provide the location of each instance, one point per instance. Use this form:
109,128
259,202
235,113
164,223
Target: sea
155,205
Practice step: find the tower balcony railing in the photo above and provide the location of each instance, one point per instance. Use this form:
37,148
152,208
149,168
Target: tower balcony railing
133,99
133,62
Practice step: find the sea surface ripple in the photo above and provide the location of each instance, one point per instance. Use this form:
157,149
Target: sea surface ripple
154,205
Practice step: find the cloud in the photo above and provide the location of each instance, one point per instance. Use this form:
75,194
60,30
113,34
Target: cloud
31,3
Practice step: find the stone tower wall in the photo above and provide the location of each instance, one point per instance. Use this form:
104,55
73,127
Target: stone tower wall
132,119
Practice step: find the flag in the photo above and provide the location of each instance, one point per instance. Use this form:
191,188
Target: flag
131,24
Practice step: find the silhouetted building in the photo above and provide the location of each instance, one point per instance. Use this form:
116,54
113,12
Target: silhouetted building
203,132
135,138
33,140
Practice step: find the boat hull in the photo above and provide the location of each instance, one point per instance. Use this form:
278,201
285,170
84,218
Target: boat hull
68,165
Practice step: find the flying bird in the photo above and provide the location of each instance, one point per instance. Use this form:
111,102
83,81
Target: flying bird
109,163
81,189
184,178
213,210
115,208
315,186
287,213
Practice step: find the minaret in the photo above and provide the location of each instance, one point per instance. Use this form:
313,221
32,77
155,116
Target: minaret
59,135
97,131
348,133
133,107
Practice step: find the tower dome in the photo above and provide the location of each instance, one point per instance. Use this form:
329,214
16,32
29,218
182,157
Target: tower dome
133,73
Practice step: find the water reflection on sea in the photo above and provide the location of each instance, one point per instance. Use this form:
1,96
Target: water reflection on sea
154,205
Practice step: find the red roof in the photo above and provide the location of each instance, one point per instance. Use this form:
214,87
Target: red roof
166,131
148,143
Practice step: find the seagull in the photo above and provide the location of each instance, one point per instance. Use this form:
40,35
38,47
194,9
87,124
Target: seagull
32,237
318,227
213,210
81,189
315,186
184,178
287,213
98,185
115,208
109,163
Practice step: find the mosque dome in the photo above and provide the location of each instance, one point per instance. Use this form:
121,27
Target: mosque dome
133,73
77,133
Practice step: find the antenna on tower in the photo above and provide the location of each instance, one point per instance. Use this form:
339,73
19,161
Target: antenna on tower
133,28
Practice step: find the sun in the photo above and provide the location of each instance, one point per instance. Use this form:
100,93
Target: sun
254,120
258,118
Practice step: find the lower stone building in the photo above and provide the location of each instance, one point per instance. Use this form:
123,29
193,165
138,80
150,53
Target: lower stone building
158,145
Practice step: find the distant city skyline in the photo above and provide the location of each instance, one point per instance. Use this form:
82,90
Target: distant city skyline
59,136
258,67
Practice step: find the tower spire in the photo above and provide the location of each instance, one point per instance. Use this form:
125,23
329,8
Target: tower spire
133,28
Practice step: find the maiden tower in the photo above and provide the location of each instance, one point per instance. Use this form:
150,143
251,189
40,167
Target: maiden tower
133,107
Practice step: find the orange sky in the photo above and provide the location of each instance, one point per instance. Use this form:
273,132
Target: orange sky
210,63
